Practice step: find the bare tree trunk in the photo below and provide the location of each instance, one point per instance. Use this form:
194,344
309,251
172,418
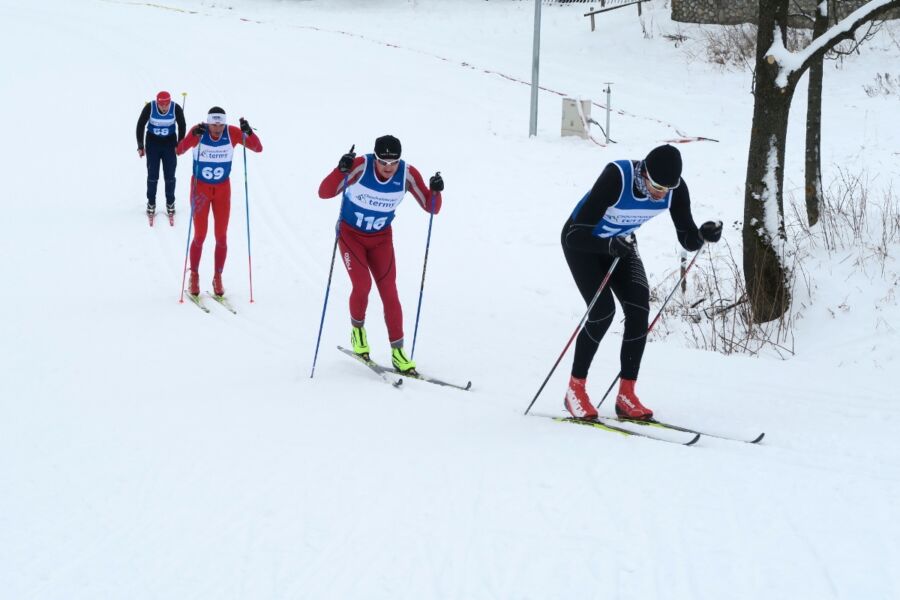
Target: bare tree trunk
763,233
814,126
763,230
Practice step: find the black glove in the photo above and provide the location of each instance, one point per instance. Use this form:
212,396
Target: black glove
346,162
436,183
711,231
199,129
245,126
622,247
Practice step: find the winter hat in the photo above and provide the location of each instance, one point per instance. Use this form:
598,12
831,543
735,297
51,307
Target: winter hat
163,97
387,147
216,116
663,166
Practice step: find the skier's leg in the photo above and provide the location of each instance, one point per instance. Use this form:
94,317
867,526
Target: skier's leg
629,284
355,260
169,163
588,271
221,208
383,264
200,201
152,153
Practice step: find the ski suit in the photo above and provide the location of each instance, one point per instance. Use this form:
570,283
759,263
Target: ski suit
617,205
161,139
365,233
211,187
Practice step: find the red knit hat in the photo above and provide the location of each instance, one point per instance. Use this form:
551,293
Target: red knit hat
163,97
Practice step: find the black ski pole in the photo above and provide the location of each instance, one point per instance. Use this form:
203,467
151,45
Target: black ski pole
424,266
577,330
656,318
337,235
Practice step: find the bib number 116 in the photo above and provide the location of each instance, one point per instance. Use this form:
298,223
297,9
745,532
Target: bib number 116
369,223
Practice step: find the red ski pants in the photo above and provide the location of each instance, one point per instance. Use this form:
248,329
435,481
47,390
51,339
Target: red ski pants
217,196
367,256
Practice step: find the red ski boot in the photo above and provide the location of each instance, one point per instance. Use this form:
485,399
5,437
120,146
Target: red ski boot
577,401
194,283
628,406
218,289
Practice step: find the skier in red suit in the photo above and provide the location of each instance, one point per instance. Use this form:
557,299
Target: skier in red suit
214,143
375,186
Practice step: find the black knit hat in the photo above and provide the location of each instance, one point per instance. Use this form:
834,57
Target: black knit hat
663,165
387,147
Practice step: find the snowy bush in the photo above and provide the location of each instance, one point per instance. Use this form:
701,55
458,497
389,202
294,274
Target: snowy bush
857,239
884,85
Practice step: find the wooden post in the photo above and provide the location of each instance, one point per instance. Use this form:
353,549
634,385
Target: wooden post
592,18
639,7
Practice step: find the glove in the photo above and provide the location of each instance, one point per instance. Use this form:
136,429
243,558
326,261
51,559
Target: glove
711,231
346,162
245,126
622,247
199,129
141,152
436,183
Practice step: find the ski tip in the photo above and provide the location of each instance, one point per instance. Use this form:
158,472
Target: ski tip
468,386
695,439
758,438
397,383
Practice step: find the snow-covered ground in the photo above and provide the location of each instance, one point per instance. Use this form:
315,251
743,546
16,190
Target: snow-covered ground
148,450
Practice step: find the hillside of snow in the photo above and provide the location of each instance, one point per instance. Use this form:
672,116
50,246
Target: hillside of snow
149,450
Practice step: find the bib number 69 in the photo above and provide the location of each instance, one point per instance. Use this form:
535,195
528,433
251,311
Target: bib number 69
211,174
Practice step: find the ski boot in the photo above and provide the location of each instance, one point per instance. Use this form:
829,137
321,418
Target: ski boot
577,401
151,212
170,212
194,283
628,406
402,362
360,342
218,288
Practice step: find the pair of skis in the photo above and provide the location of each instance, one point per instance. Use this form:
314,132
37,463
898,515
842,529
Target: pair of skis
395,378
691,435
151,217
675,434
199,303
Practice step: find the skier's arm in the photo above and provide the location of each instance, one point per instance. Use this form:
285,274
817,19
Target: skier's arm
416,186
680,211
333,184
237,137
187,143
179,120
579,234
142,125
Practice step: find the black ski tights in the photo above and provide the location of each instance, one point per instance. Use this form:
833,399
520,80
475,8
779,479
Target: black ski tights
629,284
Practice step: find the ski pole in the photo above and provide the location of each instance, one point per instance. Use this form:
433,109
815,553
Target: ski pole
337,233
247,205
187,244
183,101
684,273
422,287
577,330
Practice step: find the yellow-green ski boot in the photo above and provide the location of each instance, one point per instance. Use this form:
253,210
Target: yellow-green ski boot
360,342
402,362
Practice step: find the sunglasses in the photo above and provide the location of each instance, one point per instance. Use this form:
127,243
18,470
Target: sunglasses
657,187
386,162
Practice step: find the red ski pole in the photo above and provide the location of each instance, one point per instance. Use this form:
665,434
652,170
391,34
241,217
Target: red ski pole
656,318
575,333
